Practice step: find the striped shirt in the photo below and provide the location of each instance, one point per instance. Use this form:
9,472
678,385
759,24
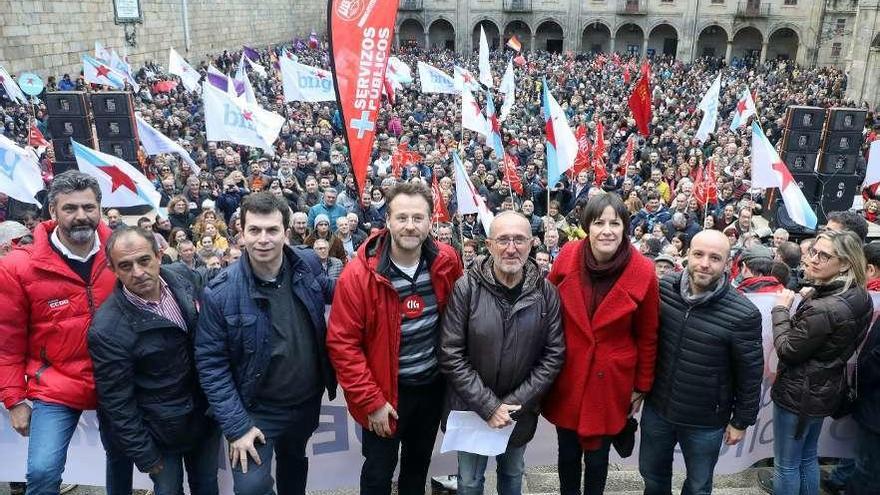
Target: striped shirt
419,325
166,306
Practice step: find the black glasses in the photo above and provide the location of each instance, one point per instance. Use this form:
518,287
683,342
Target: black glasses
518,241
823,257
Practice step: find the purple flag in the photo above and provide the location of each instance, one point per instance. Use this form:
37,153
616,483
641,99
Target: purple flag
251,53
221,82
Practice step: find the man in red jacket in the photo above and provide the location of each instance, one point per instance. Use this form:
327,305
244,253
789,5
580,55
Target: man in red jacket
387,365
51,290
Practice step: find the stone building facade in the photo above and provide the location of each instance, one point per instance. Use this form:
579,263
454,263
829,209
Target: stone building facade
841,33
48,36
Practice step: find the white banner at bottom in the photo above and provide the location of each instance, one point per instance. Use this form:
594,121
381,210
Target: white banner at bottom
335,449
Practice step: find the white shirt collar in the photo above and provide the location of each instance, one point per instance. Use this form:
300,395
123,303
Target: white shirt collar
56,241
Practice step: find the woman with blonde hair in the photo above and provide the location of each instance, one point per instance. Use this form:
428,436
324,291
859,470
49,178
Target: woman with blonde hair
814,345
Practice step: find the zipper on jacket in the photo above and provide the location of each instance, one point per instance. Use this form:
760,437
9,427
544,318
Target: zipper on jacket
45,365
91,298
687,314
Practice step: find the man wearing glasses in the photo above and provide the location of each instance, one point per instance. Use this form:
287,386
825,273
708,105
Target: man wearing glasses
387,366
501,348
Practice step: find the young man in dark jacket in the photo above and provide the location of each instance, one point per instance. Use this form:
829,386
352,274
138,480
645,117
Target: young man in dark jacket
150,407
709,367
260,350
501,347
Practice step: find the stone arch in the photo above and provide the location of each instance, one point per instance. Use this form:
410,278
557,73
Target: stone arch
783,43
441,33
630,37
663,39
747,42
411,32
549,35
521,30
712,41
596,36
493,33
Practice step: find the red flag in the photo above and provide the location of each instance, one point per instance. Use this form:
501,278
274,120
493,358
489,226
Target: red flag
388,91
646,70
360,39
706,185
403,157
164,86
626,76
511,176
582,159
640,104
599,142
600,172
615,57
441,214
519,60
36,138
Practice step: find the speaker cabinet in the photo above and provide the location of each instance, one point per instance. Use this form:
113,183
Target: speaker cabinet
66,104
112,104
64,149
805,118
70,127
843,143
830,163
801,141
114,128
847,119
799,163
59,167
122,148
836,193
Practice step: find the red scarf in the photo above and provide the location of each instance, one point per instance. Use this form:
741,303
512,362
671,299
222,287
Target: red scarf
599,278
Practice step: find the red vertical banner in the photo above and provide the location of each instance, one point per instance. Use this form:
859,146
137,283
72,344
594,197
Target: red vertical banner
361,33
640,104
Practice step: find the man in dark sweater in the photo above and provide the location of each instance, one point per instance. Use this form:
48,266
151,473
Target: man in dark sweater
260,351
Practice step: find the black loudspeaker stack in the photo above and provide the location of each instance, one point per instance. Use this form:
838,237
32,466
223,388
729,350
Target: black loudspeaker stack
102,121
822,149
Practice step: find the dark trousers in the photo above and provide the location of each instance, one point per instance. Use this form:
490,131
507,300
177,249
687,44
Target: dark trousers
419,411
595,465
200,464
866,477
287,430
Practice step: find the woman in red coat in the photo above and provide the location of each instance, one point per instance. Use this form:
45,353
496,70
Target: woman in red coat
610,314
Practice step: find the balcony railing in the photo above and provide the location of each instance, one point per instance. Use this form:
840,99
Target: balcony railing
517,5
841,5
632,7
751,10
410,5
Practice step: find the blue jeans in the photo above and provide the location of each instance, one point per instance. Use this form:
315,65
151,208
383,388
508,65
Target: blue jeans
52,427
119,472
795,460
865,479
201,469
472,467
842,472
699,446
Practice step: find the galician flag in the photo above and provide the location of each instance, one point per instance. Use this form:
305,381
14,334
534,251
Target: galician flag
434,80
485,68
121,184
464,79
768,171
467,198
494,128
123,68
562,146
229,118
508,87
745,108
305,83
180,68
709,106
102,53
97,72
20,176
471,116
11,87
156,143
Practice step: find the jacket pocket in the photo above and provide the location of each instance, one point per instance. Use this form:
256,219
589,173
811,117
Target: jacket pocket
242,330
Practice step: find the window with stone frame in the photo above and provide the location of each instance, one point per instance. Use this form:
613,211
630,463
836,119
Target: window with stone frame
835,49
790,2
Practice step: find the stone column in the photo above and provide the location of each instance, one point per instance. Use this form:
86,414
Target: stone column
645,48
613,43
532,45
763,52
729,51
427,40
397,38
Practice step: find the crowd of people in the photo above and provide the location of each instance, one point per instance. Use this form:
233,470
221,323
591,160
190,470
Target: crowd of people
585,301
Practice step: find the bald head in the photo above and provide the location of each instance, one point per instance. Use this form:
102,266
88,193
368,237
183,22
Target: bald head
713,240
707,260
508,219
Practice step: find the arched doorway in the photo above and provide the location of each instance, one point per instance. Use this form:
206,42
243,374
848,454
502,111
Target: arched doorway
663,40
630,39
596,38
411,33
549,36
747,43
712,42
783,44
521,30
442,34
493,34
